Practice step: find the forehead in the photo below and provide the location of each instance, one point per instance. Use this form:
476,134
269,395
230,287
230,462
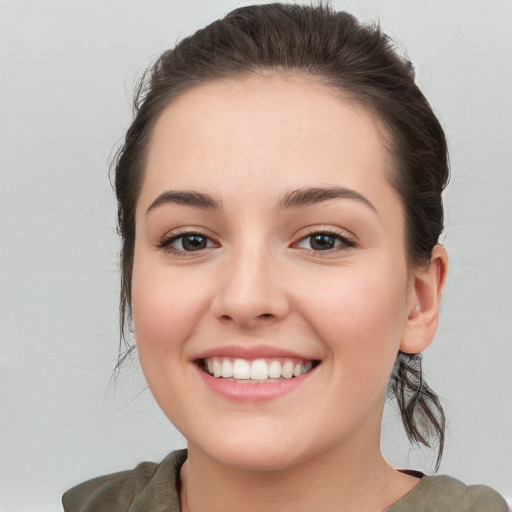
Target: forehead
265,131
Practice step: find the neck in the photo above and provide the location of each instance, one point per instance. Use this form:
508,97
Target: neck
341,479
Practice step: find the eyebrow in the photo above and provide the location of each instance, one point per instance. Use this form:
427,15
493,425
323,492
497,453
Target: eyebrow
314,195
293,199
194,199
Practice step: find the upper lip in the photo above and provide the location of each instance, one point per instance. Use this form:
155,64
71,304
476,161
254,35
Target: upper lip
251,352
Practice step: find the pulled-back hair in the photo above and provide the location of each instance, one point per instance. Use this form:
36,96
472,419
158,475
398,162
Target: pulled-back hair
362,63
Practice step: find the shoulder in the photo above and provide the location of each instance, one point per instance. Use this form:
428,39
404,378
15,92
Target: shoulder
446,494
148,487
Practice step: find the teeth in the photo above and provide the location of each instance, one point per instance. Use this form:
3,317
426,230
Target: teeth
274,370
259,370
287,371
241,369
217,368
227,369
256,370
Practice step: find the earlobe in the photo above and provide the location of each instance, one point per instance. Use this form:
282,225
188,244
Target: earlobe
424,303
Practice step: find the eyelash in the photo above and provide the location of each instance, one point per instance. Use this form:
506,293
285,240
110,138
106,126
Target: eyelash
345,242
166,243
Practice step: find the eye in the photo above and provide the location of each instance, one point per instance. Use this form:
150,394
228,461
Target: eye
187,242
324,241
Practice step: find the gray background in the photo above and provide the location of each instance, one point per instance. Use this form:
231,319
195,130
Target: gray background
67,73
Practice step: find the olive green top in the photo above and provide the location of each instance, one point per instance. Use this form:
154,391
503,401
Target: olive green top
154,487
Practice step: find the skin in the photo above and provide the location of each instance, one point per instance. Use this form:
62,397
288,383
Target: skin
248,143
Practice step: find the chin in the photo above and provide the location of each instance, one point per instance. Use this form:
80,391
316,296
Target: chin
254,458
272,447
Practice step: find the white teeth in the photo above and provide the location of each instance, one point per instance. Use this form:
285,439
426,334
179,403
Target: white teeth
217,368
287,370
241,369
274,370
227,369
258,370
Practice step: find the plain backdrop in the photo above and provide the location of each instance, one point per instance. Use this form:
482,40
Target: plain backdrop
68,69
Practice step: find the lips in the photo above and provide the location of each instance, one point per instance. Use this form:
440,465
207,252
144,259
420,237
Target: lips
253,373
258,370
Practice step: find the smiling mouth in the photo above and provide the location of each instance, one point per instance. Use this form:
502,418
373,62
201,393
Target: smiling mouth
256,371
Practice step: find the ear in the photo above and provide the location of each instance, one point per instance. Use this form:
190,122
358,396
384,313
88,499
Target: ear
426,287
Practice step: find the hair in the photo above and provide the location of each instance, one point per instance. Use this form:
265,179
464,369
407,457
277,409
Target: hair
362,63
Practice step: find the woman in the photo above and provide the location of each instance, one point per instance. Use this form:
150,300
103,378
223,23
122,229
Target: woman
279,197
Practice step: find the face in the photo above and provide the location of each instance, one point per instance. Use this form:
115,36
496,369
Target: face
270,290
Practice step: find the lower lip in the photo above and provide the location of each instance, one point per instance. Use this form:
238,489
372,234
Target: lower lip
250,392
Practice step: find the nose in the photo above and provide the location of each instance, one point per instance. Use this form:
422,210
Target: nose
251,292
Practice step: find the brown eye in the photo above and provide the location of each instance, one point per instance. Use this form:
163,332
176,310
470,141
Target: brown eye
188,242
324,241
192,242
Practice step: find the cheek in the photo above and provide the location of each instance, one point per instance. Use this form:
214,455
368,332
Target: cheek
165,309
361,315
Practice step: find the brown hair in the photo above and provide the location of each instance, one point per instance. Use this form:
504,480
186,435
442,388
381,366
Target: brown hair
360,61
